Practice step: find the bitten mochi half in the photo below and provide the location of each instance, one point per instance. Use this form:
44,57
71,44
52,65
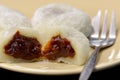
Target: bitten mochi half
64,15
20,45
64,44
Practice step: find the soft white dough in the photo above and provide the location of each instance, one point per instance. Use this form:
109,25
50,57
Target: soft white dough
64,15
12,18
78,41
7,35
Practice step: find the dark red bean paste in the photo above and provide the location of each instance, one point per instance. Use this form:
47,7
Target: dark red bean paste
58,47
23,47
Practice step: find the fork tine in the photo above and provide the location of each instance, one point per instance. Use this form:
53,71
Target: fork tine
112,31
104,28
96,25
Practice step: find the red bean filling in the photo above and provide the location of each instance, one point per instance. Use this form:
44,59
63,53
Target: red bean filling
58,47
23,47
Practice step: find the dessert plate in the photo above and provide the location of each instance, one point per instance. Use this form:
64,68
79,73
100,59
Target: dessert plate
107,58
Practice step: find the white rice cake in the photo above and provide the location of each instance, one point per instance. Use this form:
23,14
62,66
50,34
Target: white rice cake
62,15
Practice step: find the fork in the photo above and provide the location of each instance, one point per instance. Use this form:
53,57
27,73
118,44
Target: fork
99,40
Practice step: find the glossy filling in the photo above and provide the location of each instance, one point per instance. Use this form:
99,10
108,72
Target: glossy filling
58,47
23,47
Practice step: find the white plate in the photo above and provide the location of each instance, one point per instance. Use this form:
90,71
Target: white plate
107,58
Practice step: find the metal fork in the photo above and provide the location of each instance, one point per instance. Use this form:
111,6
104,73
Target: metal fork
99,40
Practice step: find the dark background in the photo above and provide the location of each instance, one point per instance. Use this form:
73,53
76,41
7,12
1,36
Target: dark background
112,73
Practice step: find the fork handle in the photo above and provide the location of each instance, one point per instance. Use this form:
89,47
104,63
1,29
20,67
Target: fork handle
89,66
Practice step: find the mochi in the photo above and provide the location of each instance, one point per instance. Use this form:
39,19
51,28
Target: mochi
10,18
20,45
64,44
62,15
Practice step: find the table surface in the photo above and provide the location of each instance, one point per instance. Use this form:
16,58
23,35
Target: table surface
107,74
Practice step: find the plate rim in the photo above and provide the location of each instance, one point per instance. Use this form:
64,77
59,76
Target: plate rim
25,70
